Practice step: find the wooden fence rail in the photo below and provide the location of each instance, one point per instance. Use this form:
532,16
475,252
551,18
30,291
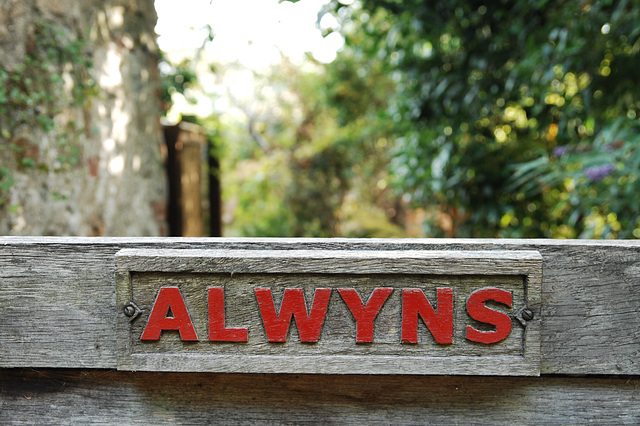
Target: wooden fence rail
59,348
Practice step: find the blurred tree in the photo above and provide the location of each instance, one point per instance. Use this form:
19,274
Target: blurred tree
489,94
320,153
79,119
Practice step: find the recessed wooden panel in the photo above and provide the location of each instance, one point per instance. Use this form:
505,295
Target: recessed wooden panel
322,335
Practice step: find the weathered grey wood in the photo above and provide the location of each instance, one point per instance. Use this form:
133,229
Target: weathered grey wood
87,397
57,298
441,262
140,273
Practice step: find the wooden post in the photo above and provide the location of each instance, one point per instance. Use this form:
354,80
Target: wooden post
215,194
186,147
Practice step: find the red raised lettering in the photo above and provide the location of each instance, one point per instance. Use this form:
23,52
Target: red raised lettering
217,330
169,299
364,314
478,311
293,304
415,304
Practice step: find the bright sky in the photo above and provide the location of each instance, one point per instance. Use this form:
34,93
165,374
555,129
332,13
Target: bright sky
250,35
249,31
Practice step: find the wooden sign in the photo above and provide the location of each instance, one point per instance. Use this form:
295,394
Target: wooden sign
329,312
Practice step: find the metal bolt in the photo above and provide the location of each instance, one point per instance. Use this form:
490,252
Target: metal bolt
527,314
129,310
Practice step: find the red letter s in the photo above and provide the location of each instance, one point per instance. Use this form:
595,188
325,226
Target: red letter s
478,311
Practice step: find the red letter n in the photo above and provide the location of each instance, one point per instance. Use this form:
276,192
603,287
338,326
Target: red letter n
169,300
364,314
293,304
440,324
217,330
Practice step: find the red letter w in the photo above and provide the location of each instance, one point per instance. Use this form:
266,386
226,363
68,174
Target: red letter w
293,304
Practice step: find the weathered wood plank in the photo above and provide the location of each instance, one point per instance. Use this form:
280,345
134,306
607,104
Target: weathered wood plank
57,296
83,397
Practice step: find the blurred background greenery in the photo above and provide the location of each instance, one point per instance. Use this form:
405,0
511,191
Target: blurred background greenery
457,119
462,118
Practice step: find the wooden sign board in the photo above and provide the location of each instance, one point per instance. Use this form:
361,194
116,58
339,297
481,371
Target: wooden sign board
329,312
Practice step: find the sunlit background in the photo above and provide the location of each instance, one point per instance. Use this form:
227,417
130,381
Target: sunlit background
241,37
360,119
321,118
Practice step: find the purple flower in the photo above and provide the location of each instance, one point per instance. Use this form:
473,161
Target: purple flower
598,173
610,147
560,151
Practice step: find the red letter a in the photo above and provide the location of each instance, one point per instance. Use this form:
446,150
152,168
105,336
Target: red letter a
169,298
364,314
217,330
277,325
440,324
479,312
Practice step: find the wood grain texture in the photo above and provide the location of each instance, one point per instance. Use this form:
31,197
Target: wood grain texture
141,273
84,397
58,308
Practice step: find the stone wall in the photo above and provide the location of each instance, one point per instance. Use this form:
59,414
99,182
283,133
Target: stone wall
97,170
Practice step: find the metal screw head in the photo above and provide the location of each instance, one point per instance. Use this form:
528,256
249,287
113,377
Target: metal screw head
129,310
527,314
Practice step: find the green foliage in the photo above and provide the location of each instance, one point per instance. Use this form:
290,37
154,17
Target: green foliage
32,93
258,192
176,79
486,91
6,182
311,171
593,187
